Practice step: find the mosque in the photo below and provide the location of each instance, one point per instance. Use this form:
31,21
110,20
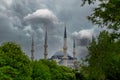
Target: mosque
62,57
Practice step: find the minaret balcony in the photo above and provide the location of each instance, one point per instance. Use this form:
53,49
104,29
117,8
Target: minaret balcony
65,48
45,46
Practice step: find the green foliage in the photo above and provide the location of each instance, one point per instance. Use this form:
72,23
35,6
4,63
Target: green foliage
40,71
49,70
8,73
59,72
103,58
67,73
13,56
15,65
106,14
88,1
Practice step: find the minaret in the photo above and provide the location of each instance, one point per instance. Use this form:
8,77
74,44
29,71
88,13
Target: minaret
32,49
65,48
74,54
45,45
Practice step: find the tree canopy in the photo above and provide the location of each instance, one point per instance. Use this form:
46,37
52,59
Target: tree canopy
15,65
104,51
12,58
103,59
49,70
106,14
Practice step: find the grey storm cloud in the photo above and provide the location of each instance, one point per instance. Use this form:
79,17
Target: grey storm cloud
82,52
19,19
83,37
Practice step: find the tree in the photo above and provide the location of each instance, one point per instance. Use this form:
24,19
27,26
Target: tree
67,73
104,54
40,71
14,59
106,14
58,72
15,65
103,58
7,73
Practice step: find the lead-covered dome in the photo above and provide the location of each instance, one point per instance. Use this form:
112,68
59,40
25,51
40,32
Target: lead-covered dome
60,55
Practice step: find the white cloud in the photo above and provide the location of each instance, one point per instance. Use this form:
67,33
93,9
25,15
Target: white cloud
27,34
83,37
41,16
83,34
9,2
28,28
40,30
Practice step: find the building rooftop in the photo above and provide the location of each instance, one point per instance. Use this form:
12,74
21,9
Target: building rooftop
60,54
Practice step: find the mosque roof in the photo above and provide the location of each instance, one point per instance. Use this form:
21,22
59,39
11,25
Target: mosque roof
59,55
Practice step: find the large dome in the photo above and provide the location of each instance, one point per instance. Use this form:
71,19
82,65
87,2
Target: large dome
59,55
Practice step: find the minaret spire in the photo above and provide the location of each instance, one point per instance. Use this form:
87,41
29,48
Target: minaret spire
32,49
45,45
74,54
65,33
65,48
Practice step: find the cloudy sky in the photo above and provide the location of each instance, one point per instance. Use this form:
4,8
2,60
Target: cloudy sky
20,19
